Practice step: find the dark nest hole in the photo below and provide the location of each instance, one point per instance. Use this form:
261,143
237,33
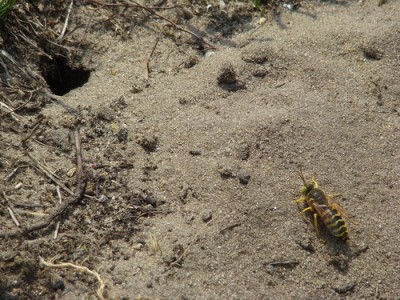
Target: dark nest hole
62,78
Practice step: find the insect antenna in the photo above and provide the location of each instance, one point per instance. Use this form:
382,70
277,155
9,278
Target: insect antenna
302,176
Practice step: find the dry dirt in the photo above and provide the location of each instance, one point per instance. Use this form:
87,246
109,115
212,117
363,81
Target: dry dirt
193,163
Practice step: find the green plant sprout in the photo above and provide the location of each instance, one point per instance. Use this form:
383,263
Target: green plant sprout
5,7
257,3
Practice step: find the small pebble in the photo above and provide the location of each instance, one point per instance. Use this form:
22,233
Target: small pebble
244,178
260,73
209,54
244,152
122,135
226,173
138,246
149,284
105,114
57,285
149,143
191,62
195,152
103,199
207,216
344,287
118,280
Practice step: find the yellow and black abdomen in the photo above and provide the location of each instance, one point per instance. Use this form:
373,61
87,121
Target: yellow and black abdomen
334,222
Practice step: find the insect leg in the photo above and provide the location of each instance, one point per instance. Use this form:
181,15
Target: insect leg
314,182
303,199
302,176
334,195
304,211
316,225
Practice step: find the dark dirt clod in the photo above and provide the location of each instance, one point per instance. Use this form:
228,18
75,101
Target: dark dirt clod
27,267
122,135
260,72
244,178
372,53
105,114
195,152
191,62
244,152
149,284
149,142
226,172
227,76
57,285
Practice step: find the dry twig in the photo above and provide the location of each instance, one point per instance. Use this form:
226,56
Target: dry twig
147,62
35,127
10,208
17,108
66,20
51,176
100,290
284,264
14,172
58,223
10,111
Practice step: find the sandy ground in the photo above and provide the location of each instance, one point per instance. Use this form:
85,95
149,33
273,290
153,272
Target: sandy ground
198,159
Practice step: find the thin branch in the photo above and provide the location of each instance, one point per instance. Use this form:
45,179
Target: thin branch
100,290
39,167
147,62
14,173
66,21
58,223
10,208
104,4
17,108
35,127
10,110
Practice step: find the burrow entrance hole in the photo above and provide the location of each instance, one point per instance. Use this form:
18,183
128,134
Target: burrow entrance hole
60,77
